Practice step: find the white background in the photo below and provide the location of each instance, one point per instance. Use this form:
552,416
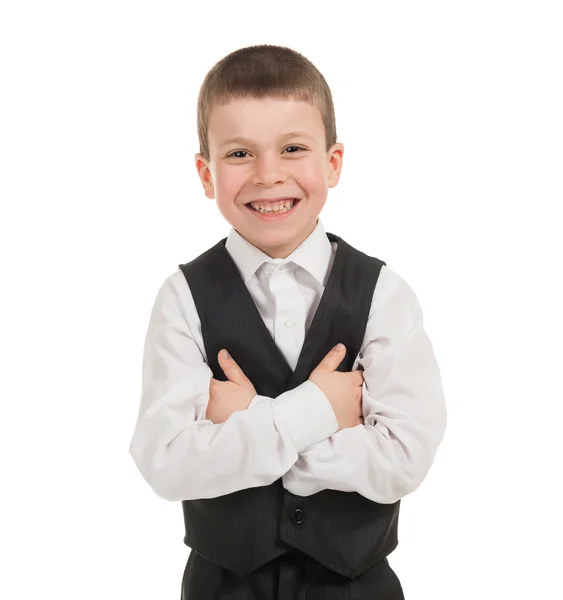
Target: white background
451,117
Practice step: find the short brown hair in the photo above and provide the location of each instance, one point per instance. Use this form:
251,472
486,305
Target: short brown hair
264,71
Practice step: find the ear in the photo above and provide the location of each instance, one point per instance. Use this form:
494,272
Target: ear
335,158
204,172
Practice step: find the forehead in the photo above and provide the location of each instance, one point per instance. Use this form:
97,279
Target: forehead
262,118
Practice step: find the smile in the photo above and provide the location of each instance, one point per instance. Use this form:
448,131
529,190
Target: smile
283,212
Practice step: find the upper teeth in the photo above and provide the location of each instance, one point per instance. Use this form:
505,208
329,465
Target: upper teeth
272,206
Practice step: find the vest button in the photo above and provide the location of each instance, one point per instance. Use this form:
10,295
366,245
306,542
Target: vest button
297,516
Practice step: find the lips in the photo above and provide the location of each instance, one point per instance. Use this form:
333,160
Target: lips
274,215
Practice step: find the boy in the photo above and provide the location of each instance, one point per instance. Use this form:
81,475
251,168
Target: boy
290,455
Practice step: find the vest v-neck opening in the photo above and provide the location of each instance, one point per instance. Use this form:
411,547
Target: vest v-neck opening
290,375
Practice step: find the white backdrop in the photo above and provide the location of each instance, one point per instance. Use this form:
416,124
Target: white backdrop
451,118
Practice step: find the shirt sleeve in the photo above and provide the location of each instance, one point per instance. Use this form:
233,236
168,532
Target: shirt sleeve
404,409
184,456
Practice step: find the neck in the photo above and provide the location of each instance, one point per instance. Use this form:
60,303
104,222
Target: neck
285,250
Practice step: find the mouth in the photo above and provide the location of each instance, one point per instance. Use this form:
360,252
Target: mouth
280,210
273,206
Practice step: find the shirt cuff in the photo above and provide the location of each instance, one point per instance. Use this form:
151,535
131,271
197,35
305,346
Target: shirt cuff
306,414
257,399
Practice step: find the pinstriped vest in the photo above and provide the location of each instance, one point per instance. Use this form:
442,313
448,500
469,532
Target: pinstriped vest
344,531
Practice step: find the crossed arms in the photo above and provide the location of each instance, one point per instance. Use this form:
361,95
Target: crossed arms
184,455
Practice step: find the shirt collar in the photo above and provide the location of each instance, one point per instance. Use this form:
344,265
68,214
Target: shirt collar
314,254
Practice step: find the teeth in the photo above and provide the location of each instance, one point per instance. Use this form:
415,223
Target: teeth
276,207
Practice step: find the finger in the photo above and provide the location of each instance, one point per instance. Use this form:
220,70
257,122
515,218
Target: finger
331,361
231,369
357,377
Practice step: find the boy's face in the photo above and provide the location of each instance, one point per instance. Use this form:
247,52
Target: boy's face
270,161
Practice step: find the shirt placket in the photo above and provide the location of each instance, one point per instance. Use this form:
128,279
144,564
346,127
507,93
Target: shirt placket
288,321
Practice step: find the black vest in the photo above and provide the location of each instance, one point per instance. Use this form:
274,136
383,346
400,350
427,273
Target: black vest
344,531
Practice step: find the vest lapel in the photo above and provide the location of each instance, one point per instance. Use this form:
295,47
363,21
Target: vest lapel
312,352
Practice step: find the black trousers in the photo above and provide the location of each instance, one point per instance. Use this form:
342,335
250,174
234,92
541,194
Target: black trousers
293,576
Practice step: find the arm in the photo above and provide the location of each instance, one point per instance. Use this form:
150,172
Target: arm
404,413
180,453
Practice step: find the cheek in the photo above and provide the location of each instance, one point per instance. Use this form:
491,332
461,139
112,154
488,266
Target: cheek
312,177
228,183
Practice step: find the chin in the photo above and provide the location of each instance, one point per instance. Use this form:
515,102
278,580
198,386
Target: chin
285,243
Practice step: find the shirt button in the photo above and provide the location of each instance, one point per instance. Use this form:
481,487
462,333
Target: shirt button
288,325
297,516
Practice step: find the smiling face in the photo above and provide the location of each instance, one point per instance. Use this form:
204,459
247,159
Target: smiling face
269,149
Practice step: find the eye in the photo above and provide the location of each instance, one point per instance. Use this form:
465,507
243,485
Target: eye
236,152
298,148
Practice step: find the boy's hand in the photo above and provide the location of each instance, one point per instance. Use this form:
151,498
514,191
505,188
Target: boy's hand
343,390
226,397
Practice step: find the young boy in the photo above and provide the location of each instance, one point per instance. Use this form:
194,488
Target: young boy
290,455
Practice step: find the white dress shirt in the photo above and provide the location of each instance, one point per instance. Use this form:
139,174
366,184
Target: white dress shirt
184,456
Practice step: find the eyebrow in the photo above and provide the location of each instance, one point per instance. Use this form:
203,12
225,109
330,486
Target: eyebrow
241,140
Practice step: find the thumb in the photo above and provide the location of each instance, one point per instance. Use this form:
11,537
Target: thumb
232,371
334,357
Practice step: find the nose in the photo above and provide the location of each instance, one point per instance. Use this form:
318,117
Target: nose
269,170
